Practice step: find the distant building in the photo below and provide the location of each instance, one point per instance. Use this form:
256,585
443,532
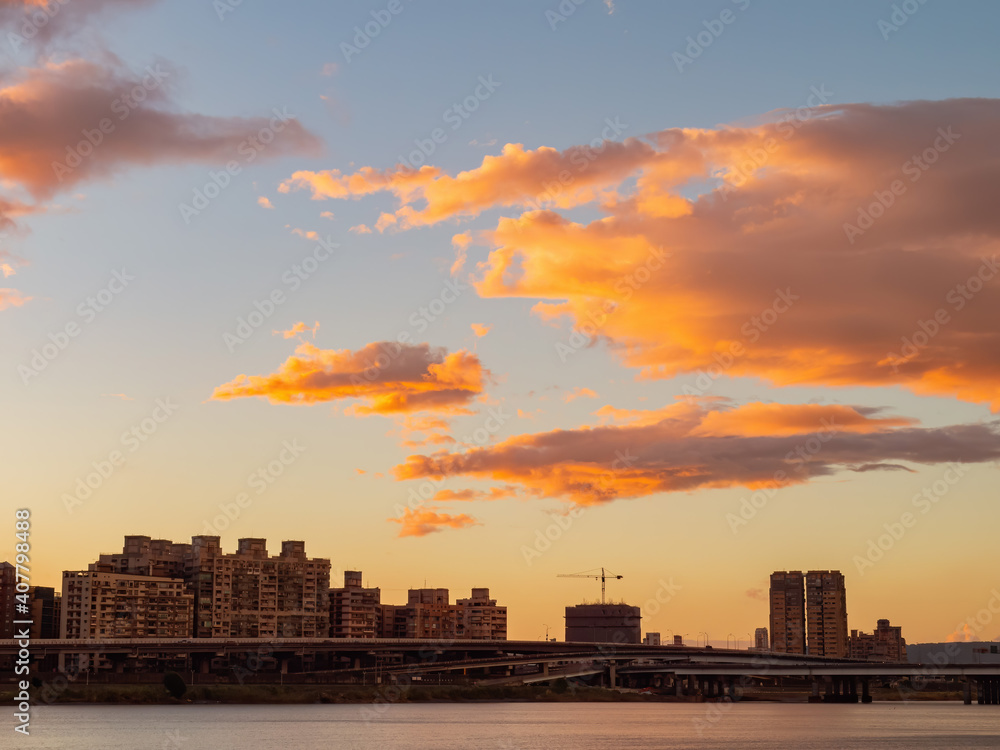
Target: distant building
651,639
678,640
245,594
788,614
354,610
45,606
8,582
885,644
760,641
101,605
428,613
603,623
826,613
248,594
480,618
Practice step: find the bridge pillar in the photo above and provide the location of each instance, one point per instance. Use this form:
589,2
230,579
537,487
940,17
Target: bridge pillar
967,692
852,684
612,675
865,695
678,686
545,668
814,698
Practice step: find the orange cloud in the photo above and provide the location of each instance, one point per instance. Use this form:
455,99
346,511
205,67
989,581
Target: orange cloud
388,377
299,328
479,329
12,298
794,419
751,251
578,393
264,202
963,634
493,493
360,229
517,177
426,521
673,451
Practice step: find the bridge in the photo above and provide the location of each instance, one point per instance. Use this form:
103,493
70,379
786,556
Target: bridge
712,673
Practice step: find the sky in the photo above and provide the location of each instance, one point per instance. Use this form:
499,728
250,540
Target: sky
476,294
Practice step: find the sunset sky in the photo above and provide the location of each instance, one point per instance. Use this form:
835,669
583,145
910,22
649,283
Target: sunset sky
692,291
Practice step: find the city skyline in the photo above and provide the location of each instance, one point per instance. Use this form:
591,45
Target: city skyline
571,290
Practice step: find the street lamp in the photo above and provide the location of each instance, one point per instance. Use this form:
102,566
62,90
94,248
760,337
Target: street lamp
706,637
733,637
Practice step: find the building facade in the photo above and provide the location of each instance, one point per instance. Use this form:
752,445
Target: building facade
46,606
885,644
826,614
480,618
603,623
248,594
104,604
788,615
760,642
651,639
428,613
354,610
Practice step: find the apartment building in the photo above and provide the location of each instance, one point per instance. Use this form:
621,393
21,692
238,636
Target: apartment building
886,643
104,604
788,615
826,614
354,610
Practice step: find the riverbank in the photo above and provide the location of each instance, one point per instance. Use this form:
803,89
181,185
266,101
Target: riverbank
150,694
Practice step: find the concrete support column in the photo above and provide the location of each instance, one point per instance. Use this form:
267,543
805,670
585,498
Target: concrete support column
852,684
284,666
865,695
545,669
612,675
828,691
967,692
678,686
980,694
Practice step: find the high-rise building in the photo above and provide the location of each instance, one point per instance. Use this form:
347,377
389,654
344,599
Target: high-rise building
788,616
46,606
8,585
429,614
826,614
244,594
760,639
103,604
480,618
651,639
248,594
603,623
354,610
885,644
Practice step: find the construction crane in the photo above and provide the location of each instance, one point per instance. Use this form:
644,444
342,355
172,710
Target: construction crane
605,574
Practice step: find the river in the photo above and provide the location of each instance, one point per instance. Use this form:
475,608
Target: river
513,726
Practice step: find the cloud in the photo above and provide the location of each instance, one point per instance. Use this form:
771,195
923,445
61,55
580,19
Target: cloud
36,23
329,69
673,451
120,396
360,229
12,298
46,113
298,329
578,393
759,594
516,177
964,634
426,521
327,215
730,250
387,377
468,496
264,202
479,329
